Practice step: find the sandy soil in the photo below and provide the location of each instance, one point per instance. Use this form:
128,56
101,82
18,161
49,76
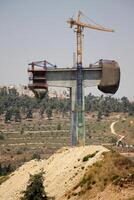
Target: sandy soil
10,189
110,193
62,170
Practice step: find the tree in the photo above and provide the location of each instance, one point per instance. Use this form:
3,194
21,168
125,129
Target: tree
1,136
35,189
5,169
99,116
1,109
59,126
42,109
22,130
106,112
125,104
36,155
17,116
29,114
13,92
8,115
49,112
0,169
131,109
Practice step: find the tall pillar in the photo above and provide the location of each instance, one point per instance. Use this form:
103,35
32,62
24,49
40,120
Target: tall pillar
74,136
80,107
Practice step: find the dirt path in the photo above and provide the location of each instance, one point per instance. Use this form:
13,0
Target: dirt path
121,137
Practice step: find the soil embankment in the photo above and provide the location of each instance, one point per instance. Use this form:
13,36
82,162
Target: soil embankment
78,173
62,170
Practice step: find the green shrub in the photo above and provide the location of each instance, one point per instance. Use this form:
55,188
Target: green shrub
36,155
35,189
89,156
59,126
19,151
2,136
6,169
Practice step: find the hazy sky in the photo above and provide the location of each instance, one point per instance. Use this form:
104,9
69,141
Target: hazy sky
32,30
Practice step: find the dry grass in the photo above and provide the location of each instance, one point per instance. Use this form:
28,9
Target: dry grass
112,169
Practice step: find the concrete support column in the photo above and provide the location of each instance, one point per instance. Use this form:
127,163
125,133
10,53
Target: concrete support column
74,136
80,106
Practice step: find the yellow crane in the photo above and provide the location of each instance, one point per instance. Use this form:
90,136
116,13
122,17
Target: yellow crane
79,101
79,29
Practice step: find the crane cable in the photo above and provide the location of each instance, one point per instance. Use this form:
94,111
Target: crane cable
91,20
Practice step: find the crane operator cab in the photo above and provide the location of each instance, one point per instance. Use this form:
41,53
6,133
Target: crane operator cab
110,76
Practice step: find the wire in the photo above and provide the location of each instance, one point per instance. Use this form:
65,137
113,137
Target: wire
90,20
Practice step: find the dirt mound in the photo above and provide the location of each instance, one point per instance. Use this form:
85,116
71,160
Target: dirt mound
66,168
18,180
63,171
79,173
111,178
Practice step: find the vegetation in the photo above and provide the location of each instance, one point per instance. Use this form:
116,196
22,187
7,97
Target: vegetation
112,169
36,156
2,137
13,106
59,126
35,189
6,169
28,134
86,158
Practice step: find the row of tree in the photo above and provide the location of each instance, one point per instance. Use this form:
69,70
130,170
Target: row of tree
106,105
13,106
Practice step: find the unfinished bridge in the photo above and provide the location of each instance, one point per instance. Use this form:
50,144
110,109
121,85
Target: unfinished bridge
105,74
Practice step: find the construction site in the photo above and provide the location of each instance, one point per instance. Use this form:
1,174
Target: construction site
80,151
105,74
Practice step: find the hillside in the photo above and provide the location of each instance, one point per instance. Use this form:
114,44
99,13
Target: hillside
67,175
111,178
32,128
62,171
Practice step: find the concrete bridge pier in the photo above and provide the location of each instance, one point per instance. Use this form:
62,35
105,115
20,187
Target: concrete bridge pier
77,119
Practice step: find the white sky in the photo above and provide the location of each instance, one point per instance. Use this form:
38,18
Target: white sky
32,30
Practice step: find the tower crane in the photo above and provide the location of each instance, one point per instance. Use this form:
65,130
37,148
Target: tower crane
79,29
79,105
105,75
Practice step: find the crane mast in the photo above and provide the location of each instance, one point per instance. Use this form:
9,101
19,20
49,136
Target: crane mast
79,130
79,29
